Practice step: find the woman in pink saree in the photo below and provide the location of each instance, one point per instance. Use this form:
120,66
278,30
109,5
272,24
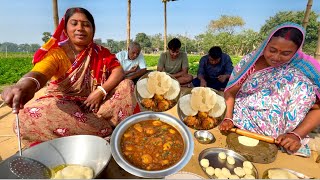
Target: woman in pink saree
86,93
274,90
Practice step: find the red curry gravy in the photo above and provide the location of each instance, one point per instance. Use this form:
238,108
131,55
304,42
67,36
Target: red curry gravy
152,145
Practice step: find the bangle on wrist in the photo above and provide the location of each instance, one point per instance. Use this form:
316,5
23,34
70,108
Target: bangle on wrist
296,134
34,80
103,91
228,119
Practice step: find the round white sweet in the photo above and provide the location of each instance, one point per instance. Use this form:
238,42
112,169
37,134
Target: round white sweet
222,155
248,176
204,163
226,172
222,177
248,171
218,172
248,164
231,160
210,170
233,176
239,171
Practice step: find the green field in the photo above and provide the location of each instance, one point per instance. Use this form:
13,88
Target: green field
15,65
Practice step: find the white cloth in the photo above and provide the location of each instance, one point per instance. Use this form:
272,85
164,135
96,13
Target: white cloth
127,63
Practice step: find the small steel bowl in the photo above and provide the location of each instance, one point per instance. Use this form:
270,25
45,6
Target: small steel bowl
204,137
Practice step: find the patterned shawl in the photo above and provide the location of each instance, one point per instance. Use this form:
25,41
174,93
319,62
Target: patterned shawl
306,64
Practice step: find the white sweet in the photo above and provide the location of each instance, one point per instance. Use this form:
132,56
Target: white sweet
231,160
226,172
204,163
248,171
248,164
222,177
218,172
210,170
222,155
239,171
247,176
233,176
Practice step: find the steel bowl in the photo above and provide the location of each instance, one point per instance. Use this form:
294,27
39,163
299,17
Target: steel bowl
204,137
85,150
125,124
182,115
139,98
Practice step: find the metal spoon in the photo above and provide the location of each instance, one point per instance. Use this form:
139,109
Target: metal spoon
27,168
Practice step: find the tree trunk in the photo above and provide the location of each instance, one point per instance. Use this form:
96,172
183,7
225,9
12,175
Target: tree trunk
165,26
128,23
317,55
306,14
55,13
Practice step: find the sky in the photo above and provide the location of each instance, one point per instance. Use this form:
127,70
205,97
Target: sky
24,21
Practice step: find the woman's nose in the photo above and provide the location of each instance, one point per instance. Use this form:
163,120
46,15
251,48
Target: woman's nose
277,57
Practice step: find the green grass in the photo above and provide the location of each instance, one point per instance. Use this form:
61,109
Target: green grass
13,68
14,65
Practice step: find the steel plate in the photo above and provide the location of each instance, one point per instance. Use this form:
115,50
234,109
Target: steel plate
212,155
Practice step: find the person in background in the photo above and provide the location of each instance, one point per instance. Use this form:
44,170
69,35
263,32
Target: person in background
86,93
214,70
175,63
132,62
275,91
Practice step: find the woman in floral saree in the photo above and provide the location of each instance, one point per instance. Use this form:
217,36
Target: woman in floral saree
274,90
86,93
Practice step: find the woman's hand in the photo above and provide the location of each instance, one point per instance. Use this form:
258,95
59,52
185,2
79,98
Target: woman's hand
18,95
289,141
93,101
226,125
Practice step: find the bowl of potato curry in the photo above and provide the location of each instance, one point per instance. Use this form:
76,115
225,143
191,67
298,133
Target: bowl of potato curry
152,144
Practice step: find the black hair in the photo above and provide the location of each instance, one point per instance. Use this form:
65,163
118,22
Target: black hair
290,33
71,11
215,52
174,44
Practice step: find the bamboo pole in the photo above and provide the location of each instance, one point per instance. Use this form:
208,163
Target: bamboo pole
165,26
128,23
55,13
306,14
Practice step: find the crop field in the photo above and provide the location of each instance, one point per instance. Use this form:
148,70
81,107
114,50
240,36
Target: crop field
14,65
